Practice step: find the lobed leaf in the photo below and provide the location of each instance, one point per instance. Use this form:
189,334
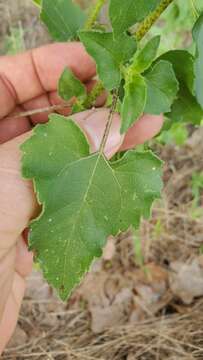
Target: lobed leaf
109,54
85,198
153,92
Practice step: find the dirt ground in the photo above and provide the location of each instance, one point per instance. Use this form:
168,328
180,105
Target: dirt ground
145,304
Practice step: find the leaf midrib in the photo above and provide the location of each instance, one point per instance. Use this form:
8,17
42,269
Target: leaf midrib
100,155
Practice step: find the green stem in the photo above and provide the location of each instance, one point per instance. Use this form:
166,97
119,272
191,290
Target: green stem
94,14
146,25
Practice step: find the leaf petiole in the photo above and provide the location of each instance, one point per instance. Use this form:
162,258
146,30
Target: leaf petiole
109,122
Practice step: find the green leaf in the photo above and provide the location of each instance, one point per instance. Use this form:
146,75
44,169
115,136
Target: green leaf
162,88
85,198
139,175
185,108
109,54
63,18
37,2
69,86
198,37
62,142
183,66
125,13
134,101
143,59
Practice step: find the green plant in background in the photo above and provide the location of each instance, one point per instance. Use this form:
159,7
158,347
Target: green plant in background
176,135
196,210
139,258
175,24
85,197
14,42
197,187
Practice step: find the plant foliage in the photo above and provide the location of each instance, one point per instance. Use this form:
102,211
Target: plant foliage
85,197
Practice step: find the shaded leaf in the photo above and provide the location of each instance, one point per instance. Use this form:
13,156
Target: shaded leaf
109,54
143,59
85,198
185,108
63,18
162,88
69,86
183,65
134,101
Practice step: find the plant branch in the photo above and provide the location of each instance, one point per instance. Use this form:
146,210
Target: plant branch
109,122
88,103
146,25
40,111
94,14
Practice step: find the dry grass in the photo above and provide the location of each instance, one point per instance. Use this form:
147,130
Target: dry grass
178,337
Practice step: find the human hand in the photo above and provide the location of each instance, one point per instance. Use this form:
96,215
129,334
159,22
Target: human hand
29,81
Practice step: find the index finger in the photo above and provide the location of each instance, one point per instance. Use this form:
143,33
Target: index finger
29,75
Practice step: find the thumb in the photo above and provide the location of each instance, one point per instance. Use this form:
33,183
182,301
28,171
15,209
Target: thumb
93,123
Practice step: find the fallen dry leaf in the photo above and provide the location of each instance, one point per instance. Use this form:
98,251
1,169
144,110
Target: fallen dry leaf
186,280
113,315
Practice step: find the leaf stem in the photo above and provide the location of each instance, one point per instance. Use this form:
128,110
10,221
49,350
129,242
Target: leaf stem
146,25
109,122
94,14
41,110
